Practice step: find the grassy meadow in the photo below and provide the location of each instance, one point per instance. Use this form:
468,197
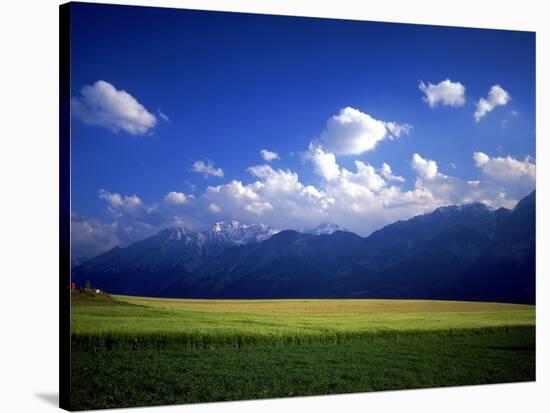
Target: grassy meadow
135,351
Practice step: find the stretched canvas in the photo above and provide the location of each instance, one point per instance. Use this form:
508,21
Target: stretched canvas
260,206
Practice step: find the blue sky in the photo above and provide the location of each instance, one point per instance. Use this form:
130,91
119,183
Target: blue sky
159,95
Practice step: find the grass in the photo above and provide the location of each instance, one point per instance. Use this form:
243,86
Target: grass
319,307
140,323
134,351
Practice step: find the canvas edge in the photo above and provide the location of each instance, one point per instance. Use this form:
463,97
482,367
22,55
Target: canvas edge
64,206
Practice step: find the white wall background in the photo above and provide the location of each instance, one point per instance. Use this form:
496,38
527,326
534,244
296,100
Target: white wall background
29,207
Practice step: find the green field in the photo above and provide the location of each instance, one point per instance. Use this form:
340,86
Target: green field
134,351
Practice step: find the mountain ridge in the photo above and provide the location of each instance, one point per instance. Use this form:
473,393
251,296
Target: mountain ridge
453,252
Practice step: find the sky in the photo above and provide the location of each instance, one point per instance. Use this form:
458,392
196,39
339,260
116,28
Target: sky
186,118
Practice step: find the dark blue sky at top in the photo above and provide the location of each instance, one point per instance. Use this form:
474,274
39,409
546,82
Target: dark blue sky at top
233,84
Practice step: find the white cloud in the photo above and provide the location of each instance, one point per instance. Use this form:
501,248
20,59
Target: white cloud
273,181
353,132
90,237
324,163
497,97
278,196
128,220
396,129
387,173
102,104
127,209
260,171
504,181
365,180
481,158
207,169
519,176
365,200
426,168
214,208
446,93
175,198
362,199
116,200
269,155
259,208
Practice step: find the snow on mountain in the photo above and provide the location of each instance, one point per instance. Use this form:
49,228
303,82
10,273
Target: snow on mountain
325,228
240,234
474,208
227,232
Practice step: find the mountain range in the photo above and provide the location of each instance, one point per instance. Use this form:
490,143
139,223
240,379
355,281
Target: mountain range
466,252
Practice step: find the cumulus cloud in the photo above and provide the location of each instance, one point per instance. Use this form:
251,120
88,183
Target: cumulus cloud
365,179
258,208
387,173
503,182
207,169
426,168
117,201
264,199
518,175
446,93
260,171
101,104
353,132
114,200
497,97
324,163
269,155
362,198
175,198
365,200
